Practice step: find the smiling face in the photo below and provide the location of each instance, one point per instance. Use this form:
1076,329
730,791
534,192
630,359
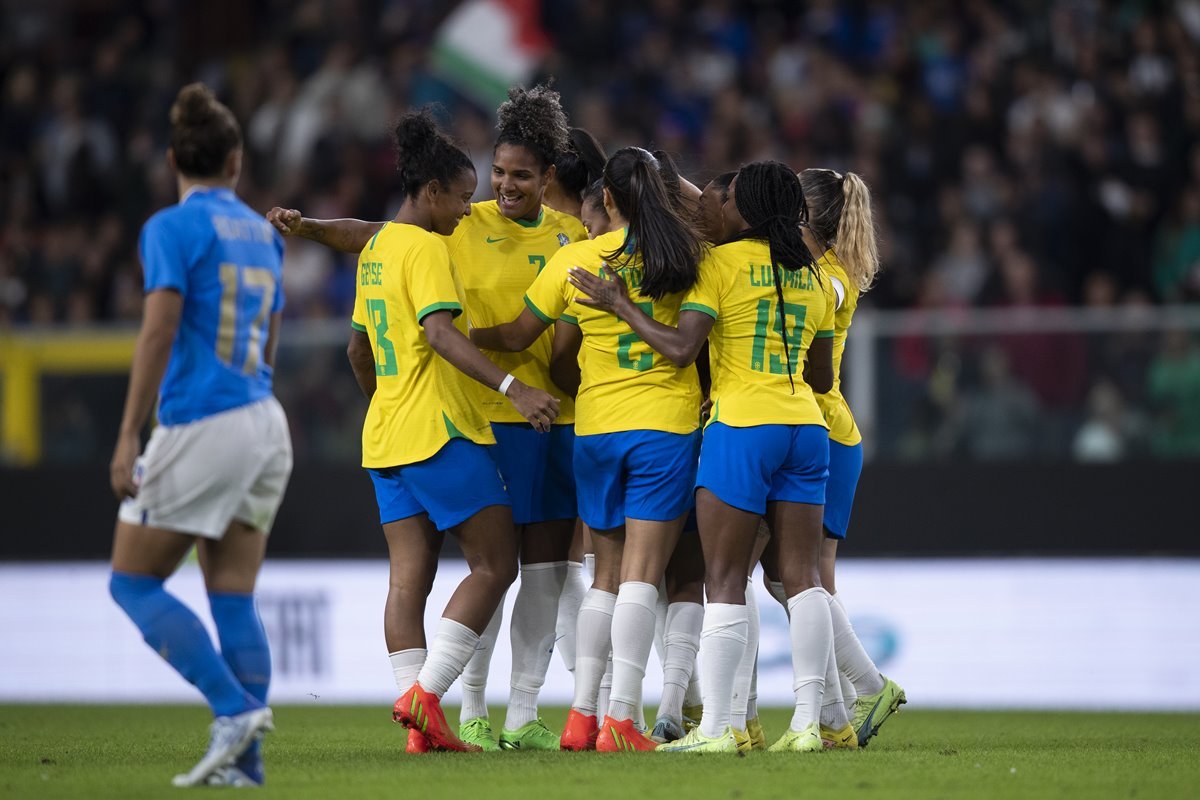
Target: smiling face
449,204
518,181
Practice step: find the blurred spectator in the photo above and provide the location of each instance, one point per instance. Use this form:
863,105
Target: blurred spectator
1112,432
999,419
1175,393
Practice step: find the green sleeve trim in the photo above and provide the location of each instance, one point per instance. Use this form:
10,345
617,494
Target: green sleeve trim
823,335
357,327
454,308
537,312
703,309
371,244
570,319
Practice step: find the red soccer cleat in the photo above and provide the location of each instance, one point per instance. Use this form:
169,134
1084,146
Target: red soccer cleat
580,732
420,711
417,743
622,737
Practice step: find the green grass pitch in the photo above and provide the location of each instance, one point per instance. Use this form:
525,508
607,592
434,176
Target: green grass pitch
99,752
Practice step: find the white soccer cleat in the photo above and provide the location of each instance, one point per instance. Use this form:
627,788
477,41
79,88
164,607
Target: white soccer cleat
230,736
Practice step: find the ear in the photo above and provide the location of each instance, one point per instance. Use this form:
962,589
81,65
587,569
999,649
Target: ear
171,160
609,205
551,171
433,189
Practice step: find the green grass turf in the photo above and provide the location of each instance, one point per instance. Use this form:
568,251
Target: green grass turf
98,752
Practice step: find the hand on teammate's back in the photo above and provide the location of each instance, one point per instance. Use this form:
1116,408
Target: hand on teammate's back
285,220
607,295
535,405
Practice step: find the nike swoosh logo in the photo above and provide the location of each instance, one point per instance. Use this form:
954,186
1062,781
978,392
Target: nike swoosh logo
490,240
866,726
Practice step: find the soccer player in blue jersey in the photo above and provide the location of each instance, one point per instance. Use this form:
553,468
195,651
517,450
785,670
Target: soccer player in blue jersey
215,468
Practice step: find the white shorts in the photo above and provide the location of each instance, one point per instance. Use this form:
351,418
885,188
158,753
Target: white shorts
198,477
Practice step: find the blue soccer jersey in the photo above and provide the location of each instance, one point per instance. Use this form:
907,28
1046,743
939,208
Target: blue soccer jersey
226,262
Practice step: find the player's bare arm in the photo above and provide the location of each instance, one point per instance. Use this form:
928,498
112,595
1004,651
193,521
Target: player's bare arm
818,370
510,337
564,357
362,362
345,235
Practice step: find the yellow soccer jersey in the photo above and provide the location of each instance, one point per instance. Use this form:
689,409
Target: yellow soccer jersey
749,367
842,428
625,385
421,401
497,259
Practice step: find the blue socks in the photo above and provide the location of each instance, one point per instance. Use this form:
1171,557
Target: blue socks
176,634
244,647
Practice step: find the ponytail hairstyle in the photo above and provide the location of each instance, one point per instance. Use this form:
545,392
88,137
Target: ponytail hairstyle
424,153
203,132
581,164
665,240
594,194
841,219
534,119
771,200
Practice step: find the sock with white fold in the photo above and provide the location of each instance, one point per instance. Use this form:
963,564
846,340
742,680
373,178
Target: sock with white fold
535,613
722,645
692,696
574,588
406,666
849,696
632,639
453,645
833,705
682,643
739,710
812,639
593,637
779,593
589,563
851,655
605,691
474,677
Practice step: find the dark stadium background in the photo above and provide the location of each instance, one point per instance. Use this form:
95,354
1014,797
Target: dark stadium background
1028,375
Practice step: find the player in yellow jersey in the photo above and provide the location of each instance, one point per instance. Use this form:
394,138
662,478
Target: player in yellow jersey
762,306
637,416
424,436
498,250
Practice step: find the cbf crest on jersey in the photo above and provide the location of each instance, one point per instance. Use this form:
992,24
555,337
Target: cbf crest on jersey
563,240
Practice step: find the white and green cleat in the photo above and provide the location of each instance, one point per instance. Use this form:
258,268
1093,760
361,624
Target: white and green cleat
872,710
479,732
697,742
805,741
530,736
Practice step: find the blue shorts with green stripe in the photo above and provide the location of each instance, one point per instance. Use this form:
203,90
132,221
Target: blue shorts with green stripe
451,486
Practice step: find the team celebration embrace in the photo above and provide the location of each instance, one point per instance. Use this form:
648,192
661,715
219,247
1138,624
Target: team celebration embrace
613,383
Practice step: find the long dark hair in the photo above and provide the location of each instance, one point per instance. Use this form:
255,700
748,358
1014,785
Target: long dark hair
667,243
581,164
203,132
771,200
424,153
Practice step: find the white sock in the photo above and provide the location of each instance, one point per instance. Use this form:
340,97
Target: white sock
752,702
740,709
779,593
812,639
589,563
632,639
722,644
406,666
603,693
849,696
682,643
851,656
452,647
693,697
574,588
535,612
474,677
593,636
833,705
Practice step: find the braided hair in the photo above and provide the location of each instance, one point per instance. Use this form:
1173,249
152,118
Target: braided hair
424,153
534,119
770,198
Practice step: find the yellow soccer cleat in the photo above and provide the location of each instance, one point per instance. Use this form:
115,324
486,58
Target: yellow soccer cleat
692,715
758,739
845,739
697,742
872,710
744,743
805,741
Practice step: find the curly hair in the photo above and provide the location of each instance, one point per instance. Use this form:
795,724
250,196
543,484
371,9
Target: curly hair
534,119
424,153
203,132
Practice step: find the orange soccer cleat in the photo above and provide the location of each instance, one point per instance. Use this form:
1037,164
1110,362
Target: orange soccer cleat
420,711
622,737
580,732
417,743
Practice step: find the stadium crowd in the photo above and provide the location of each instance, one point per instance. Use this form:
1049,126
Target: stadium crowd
1023,155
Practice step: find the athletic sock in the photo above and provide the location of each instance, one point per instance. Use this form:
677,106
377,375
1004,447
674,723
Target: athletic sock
245,649
682,643
692,696
474,677
849,696
752,702
535,612
406,666
812,639
574,588
589,563
722,645
605,690
739,710
453,646
833,705
593,636
778,592
852,657
176,634
632,639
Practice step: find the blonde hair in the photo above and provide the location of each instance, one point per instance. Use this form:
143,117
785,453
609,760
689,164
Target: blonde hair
840,215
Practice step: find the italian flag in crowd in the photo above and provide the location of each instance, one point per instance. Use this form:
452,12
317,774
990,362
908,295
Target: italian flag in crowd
485,46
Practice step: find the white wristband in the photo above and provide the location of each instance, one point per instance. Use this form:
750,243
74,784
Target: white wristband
504,384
